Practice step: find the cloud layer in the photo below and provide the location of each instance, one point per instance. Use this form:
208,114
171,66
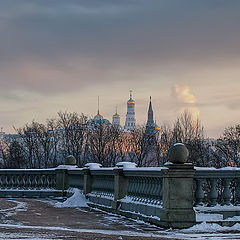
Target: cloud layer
61,54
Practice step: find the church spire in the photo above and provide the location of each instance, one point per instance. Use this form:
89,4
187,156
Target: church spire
98,116
98,106
150,113
130,94
150,127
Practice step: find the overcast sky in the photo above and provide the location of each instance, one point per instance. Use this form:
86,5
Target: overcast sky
60,55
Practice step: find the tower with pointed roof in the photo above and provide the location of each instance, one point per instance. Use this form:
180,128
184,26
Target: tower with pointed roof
150,127
130,116
98,116
116,119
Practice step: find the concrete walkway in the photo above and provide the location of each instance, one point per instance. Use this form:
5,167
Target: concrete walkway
38,219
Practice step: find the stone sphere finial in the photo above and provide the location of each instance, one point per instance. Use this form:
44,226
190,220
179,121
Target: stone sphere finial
70,160
178,153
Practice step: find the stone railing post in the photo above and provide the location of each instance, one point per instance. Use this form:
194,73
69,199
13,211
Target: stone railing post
120,182
87,177
62,179
178,197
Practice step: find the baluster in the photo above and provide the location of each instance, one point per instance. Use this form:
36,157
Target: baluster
33,178
144,188
213,193
199,194
136,188
237,194
48,181
141,192
148,190
151,190
24,181
130,187
7,181
19,181
112,187
51,183
145,185
1,181
36,181
155,190
160,191
13,180
4,181
41,185
226,191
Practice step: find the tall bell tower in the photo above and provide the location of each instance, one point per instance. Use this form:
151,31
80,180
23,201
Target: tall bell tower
130,116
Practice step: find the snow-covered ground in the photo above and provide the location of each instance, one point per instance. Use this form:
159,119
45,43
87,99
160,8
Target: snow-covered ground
49,219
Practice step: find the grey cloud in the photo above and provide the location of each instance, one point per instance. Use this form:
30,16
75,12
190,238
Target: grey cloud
84,42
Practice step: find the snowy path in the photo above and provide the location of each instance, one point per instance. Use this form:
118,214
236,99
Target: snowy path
40,219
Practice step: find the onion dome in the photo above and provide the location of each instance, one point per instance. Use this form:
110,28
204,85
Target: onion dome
98,116
99,121
116,115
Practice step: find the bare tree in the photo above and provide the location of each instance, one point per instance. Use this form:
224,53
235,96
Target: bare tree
142,146
72,128
228,147
190,131
102,144
164,142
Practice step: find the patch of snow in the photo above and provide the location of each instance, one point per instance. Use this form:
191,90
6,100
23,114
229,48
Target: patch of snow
229,168
146,169
67,167
20,207
216,208
98,231
27,169
126,165
76,200
235,218
178,144
203,217
157,203
210,227
93,166
205,168
168,163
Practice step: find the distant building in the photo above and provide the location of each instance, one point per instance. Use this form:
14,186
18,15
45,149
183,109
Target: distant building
130,116
151,126
116,119
98,119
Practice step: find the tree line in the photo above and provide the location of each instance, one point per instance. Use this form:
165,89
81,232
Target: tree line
38,145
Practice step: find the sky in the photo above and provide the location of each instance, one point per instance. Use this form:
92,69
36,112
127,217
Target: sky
61,55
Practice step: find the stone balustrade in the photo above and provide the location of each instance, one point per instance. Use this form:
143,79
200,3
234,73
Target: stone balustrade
217,186
169,196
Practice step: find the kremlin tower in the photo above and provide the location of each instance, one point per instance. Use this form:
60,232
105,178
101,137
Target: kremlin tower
151,126
116,119
130,116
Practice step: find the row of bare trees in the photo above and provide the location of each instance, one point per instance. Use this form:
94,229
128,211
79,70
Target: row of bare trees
46,145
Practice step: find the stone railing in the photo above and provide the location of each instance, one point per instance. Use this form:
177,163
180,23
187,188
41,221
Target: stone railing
27,182
217,186
169,196
27,179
